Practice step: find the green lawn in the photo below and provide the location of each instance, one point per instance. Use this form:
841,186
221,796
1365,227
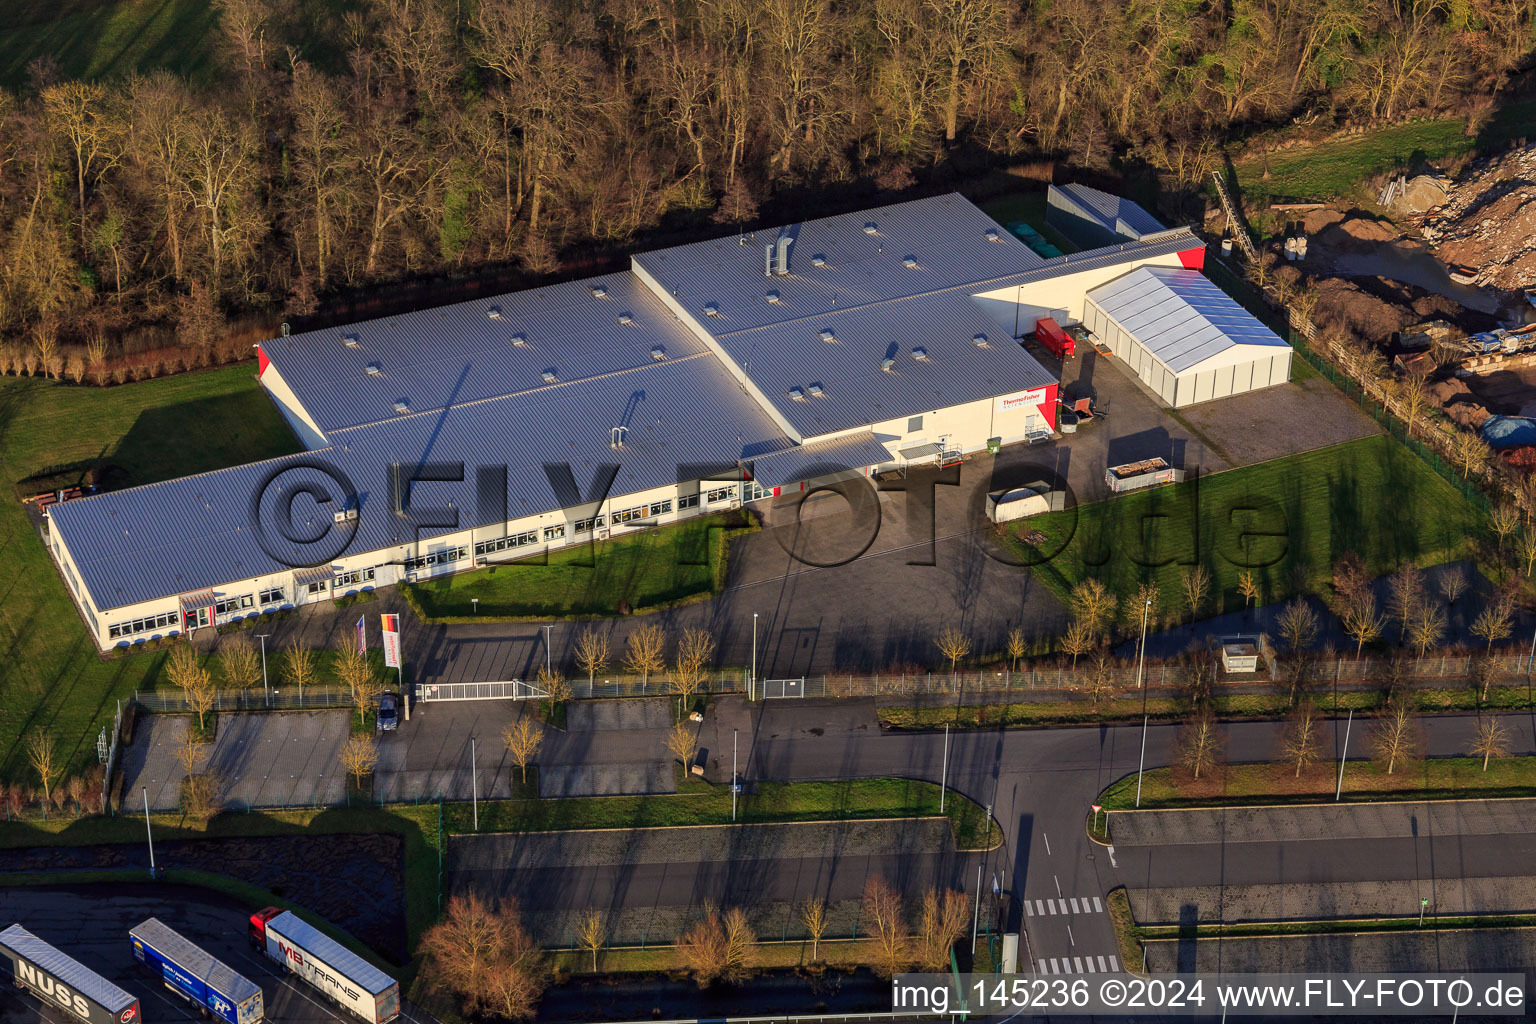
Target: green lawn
154,430
1286,519
767,802
101,39
646,570
1440,778
1334,169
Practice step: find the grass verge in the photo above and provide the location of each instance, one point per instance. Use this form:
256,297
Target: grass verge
1238,930
638,572
1336,167
834,953
1288,519
1128,934
765,803
1440,778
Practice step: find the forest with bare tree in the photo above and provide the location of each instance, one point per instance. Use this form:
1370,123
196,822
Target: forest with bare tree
149,226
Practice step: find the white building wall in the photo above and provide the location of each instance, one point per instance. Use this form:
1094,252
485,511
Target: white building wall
1060,297
970,426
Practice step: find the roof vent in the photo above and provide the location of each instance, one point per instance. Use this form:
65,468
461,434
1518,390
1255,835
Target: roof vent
374,370
870,228
402,407
887,365
599,291
920,354
494,312
992,235
797,393
773,298
658,353
616,437
979,340
351,341
827,335
625,318
910,262
550,376
814,390
818,260
520,340
711,310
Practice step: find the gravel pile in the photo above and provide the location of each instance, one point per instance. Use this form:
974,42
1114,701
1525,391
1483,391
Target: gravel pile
1488,221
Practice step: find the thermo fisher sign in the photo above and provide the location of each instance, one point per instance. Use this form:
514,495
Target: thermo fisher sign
1027,400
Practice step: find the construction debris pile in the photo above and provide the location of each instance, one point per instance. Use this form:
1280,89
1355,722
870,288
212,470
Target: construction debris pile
1488,221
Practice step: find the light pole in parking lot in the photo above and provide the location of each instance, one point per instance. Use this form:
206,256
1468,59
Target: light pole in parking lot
548,665
1141,657
752,672
149,837
265,693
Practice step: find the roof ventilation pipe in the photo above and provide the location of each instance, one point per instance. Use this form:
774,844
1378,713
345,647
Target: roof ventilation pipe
781,261
920,354
768,260
616,437
827,335
888,365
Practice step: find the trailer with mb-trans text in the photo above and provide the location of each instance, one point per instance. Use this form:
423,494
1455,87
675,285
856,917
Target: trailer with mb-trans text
340,974
62,981
195,975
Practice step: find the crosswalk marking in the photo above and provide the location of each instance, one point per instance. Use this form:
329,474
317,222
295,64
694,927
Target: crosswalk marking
1073,901
1063,905
1029,911
1114,965
1103,966
1077,964
1098,906
1068,905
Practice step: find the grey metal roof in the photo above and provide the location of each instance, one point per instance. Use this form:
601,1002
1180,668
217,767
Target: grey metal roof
946,236
856,389
1180,317
195,532
66,968
822,458
194,959
290,926
1107,209
454,354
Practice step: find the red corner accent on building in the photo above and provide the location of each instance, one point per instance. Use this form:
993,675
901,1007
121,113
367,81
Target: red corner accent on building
1193,259
1047,406
262,362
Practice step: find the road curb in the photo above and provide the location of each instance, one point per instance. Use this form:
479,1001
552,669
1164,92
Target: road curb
1329,803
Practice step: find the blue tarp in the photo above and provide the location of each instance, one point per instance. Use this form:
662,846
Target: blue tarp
1509,432
1032,238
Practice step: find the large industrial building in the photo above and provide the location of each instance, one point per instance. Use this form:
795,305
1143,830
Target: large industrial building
706,376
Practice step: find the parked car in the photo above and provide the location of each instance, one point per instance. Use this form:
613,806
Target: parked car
388,717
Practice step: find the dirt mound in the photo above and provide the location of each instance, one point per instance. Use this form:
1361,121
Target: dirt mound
1459,403
1317,220
1344,305
1367,229
1489,221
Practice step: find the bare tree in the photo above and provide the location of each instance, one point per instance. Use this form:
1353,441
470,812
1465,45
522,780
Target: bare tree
1093,604
682,743
1298,625
1200,744
1078,639
1495,622
1504,520
1453,583
1527,550
953,644
1017,647
1247,587
592,653
1394,738
1196,581
941,920
592,932
460,949
715,947
893,941
813,913
189,752
299,665
44,759
523,739
1361,620
359,756
1301,743
695,650
1101,682
241,663
355,672
643,653
1405,591
1426,626
1490,741
185,671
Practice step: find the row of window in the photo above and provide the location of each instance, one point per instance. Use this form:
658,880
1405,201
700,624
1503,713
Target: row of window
234,604
516,540
353,578
655,508
165,620
443,557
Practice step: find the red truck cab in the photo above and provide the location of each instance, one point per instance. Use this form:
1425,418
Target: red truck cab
1056,341
258,926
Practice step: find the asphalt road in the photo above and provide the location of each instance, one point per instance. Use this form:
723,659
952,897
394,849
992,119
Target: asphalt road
90,923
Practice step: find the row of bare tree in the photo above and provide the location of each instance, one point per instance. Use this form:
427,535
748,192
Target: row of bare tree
433,136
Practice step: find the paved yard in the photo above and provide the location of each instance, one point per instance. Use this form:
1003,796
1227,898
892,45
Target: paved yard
278,759
649,883
1493,949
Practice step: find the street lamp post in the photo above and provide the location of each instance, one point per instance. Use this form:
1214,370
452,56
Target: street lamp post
752,672
548,665
1141,657
475,604
149,836
474,784
1344,755
734,785
265,693
944,770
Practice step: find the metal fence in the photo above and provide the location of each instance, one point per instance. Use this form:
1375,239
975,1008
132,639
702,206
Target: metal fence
174,702
511,689
117,735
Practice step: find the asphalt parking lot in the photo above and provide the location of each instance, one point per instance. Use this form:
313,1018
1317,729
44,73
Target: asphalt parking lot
90,923
276,759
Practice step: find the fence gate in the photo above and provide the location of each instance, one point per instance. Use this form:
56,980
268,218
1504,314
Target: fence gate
511,689
783,688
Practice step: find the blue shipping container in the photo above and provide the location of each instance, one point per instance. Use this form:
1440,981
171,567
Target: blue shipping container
196,975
